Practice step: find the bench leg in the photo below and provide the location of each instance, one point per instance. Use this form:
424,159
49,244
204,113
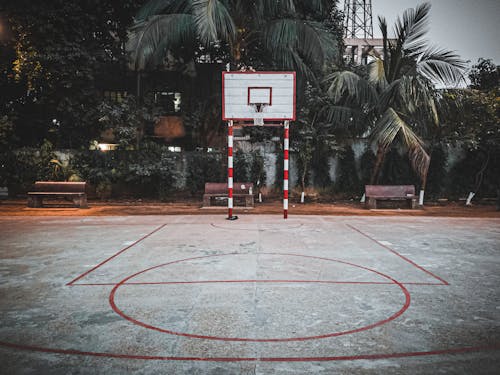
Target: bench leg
35,202
249,201
81,202
206,201
371,203
413,203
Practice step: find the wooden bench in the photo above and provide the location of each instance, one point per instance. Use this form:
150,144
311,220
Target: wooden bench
374,193
67,190
241,190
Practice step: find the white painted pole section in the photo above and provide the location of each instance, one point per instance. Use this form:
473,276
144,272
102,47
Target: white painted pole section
230,169
421,198
468,202
286,145
302,197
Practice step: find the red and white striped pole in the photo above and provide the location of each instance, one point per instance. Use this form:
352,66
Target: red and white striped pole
230,169
286,146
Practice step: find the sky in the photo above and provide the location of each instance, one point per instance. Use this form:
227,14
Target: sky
468,27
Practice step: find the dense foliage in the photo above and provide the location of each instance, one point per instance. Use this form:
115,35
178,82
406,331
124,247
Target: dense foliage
58,59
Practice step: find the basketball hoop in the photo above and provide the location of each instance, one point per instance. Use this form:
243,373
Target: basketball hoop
258,108
258,99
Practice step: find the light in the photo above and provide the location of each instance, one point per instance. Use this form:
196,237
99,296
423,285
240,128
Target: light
174,149
107,147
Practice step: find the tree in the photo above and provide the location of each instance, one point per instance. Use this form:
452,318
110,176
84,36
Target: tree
472,119
61,50
484,75
285,34
396,101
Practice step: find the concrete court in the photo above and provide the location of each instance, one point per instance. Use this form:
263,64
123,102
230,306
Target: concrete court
260,295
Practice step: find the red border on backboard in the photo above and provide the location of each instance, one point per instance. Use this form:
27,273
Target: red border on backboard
250,88
224,118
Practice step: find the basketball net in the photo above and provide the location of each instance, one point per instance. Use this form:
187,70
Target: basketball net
258,107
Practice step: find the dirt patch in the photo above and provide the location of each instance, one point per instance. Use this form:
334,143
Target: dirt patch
191,207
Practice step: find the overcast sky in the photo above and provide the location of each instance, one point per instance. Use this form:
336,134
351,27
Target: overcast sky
469,27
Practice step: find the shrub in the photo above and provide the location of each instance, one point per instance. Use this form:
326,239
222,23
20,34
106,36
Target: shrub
347,177
205,167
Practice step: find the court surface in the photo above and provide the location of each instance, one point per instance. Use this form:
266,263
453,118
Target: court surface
259,295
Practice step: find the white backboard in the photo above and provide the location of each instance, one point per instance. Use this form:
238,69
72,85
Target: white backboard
276,90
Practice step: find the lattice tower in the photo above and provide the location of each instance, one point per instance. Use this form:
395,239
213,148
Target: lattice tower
358,21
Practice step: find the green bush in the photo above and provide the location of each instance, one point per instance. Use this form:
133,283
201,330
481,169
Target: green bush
367,164
26,165
257,169
321,166
465,175
242,166
436,177
205,167
347,176
397,170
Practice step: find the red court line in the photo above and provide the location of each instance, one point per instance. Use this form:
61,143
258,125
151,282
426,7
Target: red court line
399,255
372,357
242,339
115,255
259,281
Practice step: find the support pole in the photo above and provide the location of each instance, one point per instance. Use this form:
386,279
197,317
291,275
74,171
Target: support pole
285,169
230,170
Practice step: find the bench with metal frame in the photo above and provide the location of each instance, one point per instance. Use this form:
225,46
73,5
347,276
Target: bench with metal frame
374,193
219,190
60,189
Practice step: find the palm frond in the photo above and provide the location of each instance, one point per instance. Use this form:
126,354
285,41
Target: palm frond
350,84
308,38
411,29
315,42
413,96
442,66
345,118
273,8
389,127
151,39
157,7
420,161
287,58
317,6
376,72
213,21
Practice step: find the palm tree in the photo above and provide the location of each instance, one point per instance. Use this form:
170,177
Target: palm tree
238,31
397,101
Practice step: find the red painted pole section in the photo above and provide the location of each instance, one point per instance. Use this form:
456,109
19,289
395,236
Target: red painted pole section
285,169
230,169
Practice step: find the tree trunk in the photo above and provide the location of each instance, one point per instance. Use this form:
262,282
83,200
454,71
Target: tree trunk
422,188
303,184
479,179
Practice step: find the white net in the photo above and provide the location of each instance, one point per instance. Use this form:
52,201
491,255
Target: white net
258,108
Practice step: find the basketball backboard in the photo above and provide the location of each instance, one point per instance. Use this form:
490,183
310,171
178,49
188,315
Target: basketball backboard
258,96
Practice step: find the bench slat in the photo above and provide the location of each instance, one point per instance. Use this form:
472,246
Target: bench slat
59,186
221,187
389,190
